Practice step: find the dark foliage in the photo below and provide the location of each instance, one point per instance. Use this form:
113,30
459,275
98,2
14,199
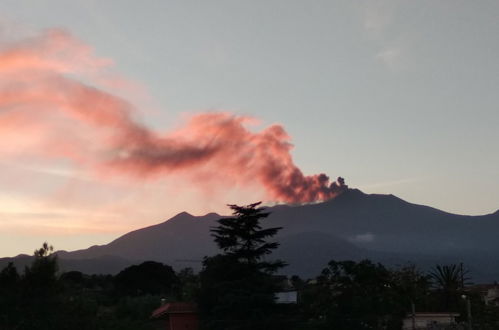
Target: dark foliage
149,277
237,287
188,285
362,295
43,299
40,292
9,295
449,281
242,236
235,292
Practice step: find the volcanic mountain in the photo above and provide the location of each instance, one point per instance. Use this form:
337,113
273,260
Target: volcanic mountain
353,226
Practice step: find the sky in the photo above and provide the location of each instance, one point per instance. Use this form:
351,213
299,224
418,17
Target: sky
397,97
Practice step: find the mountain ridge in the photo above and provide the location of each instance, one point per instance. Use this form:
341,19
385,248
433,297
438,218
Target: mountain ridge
354,225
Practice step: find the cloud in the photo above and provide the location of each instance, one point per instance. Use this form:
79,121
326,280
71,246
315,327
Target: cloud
393,58
51,171
378,20
362,238
22,214
377,16
52,107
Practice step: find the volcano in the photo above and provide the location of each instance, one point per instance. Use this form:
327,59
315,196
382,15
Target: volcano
352,226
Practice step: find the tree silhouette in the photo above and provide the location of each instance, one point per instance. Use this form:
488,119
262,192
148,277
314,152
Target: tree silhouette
412,285
237,286
188,284
40,294
43,271
243,238
357,295
149,277
9,289
450,281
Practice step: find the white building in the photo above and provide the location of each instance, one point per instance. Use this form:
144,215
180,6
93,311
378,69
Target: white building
286,297
429,320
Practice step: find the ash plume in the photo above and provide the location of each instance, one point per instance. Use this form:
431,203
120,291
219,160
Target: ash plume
50,107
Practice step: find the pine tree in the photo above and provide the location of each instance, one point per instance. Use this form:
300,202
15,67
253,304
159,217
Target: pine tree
243,238
237,286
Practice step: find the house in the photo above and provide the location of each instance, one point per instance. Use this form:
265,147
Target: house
286,297
488,292
287,294
176,316
429,320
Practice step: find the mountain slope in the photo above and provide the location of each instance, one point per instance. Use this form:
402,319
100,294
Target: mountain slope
182,237
352,226
392,224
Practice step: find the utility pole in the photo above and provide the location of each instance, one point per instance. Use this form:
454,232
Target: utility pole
461,271
413,310
468,310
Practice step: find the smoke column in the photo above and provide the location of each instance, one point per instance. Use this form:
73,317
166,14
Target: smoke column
50,107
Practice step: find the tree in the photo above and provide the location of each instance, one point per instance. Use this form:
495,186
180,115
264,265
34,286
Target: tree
9,288
149,277
355,295
42,273
188,284
40,294
450,277
413,287
237,286
242,236
449,280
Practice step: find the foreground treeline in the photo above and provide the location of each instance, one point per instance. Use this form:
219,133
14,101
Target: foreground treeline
347,295
43,298
365,295
235,290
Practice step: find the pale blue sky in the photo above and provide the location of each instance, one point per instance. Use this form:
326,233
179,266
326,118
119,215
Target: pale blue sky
398,97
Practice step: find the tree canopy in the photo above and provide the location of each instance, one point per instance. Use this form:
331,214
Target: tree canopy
243,237
149,277
237,286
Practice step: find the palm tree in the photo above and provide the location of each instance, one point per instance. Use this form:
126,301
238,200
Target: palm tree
450,281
